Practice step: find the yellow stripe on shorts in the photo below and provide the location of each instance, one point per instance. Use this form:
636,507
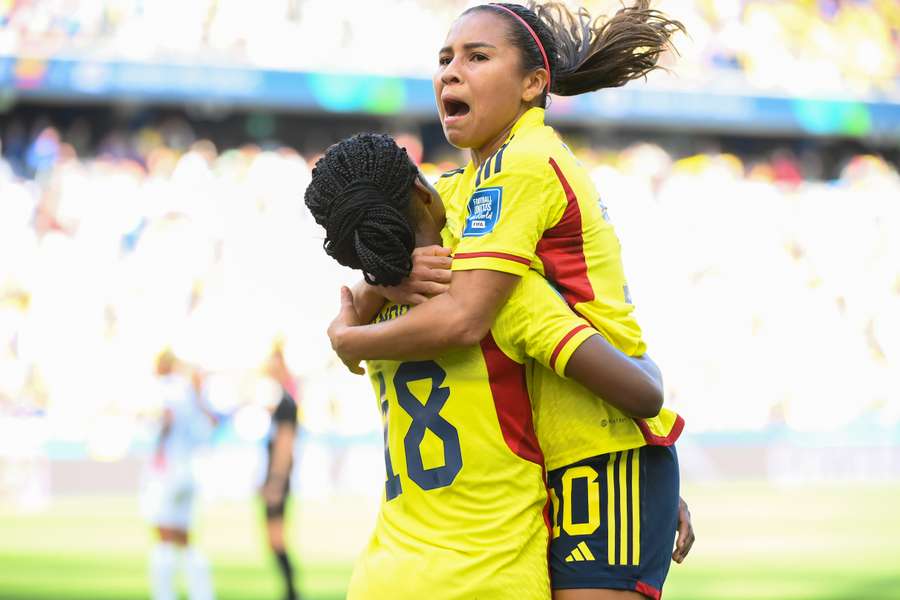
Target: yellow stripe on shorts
636,506
623,508
611,509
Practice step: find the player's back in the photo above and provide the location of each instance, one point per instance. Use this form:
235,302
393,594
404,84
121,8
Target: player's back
462,515
461,504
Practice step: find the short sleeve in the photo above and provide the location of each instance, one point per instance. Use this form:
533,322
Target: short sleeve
514,202
536,322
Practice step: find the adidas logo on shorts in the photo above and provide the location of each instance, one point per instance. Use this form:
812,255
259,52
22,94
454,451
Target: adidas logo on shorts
580,553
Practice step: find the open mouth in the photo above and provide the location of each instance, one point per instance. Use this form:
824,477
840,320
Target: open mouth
455,108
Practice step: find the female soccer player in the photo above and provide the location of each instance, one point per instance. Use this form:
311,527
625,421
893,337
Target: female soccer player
461,516
524,202
187,424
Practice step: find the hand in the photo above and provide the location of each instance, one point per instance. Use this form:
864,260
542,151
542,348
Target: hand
685,533
347,317
430,277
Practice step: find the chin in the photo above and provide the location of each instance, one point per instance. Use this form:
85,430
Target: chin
458,139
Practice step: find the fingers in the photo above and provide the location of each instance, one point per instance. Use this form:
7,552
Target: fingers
346,297
686,537
424,264
355,368
432,251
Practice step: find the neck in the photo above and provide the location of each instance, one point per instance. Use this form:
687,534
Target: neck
479,155
427,235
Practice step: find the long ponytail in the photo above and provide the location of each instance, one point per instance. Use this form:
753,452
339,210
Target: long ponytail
585,53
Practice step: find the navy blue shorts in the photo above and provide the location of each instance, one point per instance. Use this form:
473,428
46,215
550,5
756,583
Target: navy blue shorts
614,521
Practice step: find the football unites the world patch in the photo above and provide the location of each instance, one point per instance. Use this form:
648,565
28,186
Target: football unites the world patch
484,211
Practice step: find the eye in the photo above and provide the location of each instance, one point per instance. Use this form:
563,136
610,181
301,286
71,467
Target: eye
443,61
479,57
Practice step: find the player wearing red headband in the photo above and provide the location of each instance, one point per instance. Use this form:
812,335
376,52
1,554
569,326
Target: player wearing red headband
524,202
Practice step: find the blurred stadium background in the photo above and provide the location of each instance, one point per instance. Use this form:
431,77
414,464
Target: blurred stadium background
154,157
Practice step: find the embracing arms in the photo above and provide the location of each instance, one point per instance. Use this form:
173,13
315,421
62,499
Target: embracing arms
461,317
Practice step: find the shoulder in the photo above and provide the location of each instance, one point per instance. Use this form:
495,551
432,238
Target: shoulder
448,182
522,158
451,173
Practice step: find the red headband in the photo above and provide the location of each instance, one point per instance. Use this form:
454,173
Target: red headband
537,40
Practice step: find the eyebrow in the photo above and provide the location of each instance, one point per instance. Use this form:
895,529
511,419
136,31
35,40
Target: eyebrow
468,46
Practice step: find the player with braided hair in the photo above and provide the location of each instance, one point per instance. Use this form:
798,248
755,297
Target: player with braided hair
366,225
472,516
524,203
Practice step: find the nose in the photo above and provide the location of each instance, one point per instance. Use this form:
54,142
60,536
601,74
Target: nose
450,74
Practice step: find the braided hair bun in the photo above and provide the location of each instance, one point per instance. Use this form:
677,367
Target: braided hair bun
360,194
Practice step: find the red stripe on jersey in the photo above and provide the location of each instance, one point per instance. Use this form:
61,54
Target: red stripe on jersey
507,380
647,590
562,344
659,440
503,255
561,249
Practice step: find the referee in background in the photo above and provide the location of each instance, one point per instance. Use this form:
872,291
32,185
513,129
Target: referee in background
280,450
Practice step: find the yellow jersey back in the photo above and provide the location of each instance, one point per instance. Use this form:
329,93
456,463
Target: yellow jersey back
464,508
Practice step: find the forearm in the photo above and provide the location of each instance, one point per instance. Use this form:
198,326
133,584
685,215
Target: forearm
427,330
367,301
618,379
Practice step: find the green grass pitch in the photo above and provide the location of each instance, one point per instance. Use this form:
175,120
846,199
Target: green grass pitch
753,541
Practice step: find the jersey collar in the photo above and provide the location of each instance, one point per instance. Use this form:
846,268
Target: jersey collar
532,119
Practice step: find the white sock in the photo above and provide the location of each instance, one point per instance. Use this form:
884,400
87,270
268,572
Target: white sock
163,568
199,580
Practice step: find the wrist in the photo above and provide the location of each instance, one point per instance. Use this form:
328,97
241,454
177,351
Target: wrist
342,342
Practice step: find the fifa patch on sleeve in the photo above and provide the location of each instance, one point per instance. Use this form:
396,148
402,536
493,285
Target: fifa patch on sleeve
484,211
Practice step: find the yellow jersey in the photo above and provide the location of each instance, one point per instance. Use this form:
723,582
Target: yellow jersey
532,206
463,514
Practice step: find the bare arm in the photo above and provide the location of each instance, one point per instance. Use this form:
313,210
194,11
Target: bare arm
459,318
633,385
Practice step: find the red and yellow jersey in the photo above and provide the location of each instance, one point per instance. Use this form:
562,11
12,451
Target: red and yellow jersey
463,510
573,425
532,206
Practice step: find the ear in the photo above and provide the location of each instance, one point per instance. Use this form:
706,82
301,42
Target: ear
535,84
422,191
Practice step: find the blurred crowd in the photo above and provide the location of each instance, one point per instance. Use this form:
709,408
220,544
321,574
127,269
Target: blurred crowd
158,240
777,46
768,299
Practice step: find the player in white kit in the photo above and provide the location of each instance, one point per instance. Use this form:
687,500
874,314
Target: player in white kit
187,425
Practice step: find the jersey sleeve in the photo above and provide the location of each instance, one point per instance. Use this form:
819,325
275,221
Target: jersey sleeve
536,322
514,202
